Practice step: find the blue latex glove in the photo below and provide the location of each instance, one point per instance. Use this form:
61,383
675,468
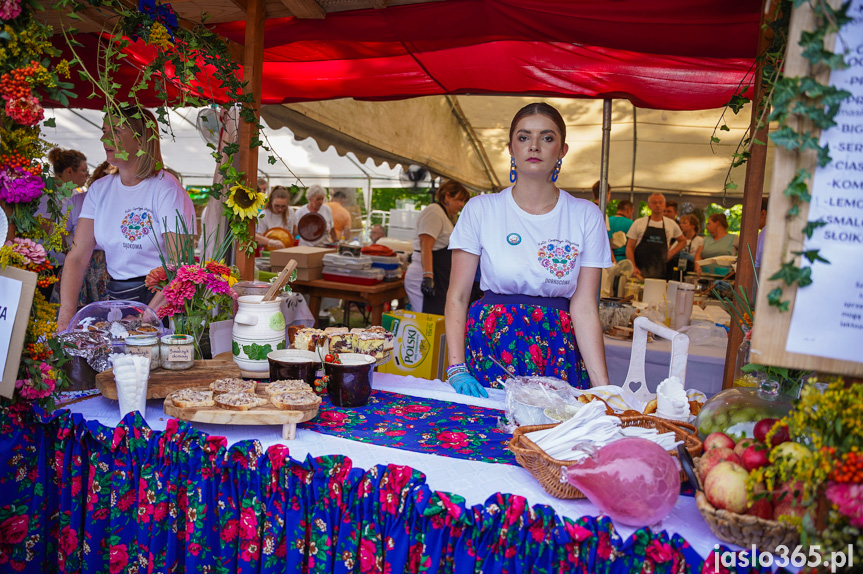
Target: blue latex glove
466,384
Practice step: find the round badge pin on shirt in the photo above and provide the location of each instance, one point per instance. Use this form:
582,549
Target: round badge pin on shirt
513,238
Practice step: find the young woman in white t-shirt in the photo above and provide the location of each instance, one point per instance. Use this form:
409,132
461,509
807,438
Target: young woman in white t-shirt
541,252
128,213
427,277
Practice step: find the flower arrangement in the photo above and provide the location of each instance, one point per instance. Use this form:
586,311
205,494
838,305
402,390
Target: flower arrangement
196,295
825,470
29,68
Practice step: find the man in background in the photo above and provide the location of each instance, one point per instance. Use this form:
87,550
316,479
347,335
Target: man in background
376,232
621,222
653,241
671,210
341,216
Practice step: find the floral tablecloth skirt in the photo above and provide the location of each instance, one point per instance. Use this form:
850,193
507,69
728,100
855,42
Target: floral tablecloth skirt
77,496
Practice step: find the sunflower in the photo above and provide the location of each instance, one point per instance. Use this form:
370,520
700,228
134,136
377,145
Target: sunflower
245,202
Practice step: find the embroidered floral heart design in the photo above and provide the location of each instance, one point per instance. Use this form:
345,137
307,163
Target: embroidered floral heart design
558,256
136,225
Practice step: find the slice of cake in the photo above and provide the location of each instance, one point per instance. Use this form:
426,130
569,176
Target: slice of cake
388,337
343,342
232,386
191,398
279,387
371,344
297,401
307,339
239,401
335,330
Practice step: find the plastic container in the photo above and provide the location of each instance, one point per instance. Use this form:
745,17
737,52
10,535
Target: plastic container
393,274
354,276
736,411
144,346
177,352
684,299
386,263
117,320
347,261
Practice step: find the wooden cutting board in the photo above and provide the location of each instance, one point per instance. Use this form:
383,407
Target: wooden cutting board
163,382
268,414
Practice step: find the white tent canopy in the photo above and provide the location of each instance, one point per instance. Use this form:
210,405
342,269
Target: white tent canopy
184,150
465,137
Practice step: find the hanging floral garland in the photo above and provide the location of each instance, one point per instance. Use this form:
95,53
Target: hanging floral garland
189,64
30,69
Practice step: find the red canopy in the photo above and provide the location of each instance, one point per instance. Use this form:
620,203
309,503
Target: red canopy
665,54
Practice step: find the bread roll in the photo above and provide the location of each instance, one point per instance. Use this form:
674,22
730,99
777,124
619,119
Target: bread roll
239,401
190,398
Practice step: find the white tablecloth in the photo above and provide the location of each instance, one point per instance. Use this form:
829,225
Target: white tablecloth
704,369
475,481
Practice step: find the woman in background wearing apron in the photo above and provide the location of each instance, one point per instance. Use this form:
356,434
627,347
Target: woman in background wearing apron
427,277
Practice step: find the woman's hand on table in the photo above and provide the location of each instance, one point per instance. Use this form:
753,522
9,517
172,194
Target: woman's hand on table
466,384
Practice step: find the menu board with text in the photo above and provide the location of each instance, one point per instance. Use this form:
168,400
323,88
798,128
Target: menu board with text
827,319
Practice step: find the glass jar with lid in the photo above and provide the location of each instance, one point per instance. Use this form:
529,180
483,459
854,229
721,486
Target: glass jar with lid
144,346
736,411
177,352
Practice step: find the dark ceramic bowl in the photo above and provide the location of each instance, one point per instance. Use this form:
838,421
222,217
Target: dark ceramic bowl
351,381
293,364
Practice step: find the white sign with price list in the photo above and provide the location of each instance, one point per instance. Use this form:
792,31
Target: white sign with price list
827,320
16,296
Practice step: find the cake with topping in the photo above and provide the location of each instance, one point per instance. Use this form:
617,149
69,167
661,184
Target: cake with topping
388,337
239,401
342,342
307,339
371,344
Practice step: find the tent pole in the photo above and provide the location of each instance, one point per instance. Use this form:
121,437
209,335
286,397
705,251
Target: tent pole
253,67
751,217
634,150
603,166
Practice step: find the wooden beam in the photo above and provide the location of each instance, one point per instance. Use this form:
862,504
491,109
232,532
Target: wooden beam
380,4
241,4
253,68
305,9
753,189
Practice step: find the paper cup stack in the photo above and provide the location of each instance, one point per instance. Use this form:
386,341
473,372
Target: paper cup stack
131,373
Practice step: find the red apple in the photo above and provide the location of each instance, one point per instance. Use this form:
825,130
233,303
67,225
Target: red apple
713,457
762,509
718,440
725,487
763,427
742,445
755,457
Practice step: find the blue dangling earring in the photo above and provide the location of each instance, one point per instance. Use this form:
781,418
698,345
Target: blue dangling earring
513,175
556,171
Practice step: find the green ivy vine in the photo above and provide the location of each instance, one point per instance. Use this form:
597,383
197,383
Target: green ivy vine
194,53
793,98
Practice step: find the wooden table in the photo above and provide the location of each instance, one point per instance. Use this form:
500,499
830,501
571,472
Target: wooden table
374,295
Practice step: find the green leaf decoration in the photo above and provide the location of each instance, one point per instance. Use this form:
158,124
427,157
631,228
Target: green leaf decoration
787,273
811,226
235,348
774,299
812,256
257,352
50,123
281,345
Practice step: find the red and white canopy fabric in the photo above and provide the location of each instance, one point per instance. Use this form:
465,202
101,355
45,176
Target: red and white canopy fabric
662,54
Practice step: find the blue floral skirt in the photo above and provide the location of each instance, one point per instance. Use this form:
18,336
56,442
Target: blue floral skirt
529,339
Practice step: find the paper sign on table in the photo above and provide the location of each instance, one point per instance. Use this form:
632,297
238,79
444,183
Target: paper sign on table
16,297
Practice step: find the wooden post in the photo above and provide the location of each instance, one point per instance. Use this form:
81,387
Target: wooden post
753,188
253,67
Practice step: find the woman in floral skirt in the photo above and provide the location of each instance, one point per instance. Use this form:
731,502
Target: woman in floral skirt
541,253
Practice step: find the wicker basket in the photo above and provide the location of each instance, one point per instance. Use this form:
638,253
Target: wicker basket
547,470
745,530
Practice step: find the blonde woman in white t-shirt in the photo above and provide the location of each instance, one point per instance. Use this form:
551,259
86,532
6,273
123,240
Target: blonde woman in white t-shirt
131,214
427,277
541,252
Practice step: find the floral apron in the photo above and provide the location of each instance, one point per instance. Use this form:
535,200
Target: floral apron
532,336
